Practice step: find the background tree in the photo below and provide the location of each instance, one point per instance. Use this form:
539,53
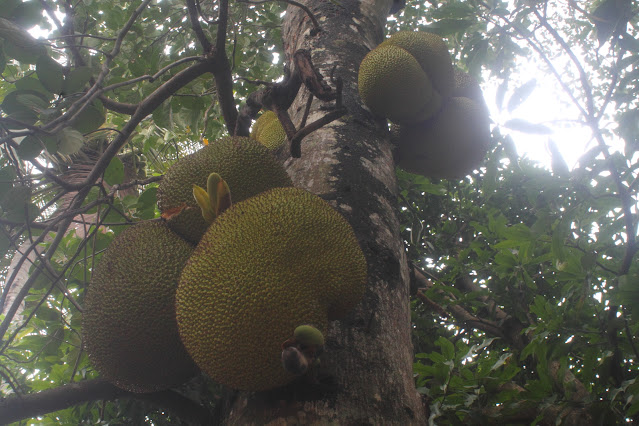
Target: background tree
524,279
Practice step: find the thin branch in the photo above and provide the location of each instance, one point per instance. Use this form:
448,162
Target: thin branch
585,84
456,310
119,107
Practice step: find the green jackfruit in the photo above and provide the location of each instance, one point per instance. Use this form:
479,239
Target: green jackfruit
247,166
129,327
268,131
267,265
431,52
450,145
406,78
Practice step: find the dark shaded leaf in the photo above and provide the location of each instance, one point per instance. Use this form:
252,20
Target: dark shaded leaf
69,141
521,94
611,17
525,126
76,80
90,119
29,148
50,74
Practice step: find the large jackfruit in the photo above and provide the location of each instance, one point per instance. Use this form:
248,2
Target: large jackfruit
247,166
129,327
450,145
407,77
267,265
268,131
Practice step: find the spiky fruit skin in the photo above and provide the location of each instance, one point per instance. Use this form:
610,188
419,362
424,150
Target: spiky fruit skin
128,324
268,131
247,167
267,265
431,53
451,145
406,78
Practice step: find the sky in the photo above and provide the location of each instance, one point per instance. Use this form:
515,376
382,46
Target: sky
547,105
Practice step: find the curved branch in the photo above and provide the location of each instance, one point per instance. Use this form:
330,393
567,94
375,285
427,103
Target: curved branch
16,407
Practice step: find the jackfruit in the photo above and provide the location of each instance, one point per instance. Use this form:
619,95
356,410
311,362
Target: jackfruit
450,145
128,325
467,87
267,265
247,166
407,77
268,131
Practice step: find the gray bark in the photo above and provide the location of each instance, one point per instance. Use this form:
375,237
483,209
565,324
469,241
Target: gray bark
349,163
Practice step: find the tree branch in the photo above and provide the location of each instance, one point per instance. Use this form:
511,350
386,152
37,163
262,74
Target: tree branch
197,28
15,408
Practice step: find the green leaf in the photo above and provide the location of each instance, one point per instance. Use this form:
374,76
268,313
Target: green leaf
114,173
30,84
69,141
76,80
29,147
447,348
5,243
7,176
90,119
32,102
27,14
50,74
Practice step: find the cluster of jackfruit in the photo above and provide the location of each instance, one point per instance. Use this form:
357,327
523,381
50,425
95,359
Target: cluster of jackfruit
159,306
443,120
242,162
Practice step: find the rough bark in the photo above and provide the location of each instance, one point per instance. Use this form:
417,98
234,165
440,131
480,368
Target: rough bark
368,358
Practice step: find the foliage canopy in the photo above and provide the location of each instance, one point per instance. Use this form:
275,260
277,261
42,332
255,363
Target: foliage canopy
525,279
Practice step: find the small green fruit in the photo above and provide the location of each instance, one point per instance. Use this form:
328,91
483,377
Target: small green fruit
307,335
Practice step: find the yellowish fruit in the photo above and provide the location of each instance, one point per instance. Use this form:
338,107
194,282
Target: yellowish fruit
267,265
450,145
268,131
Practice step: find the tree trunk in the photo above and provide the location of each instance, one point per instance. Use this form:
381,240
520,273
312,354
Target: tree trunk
368,356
